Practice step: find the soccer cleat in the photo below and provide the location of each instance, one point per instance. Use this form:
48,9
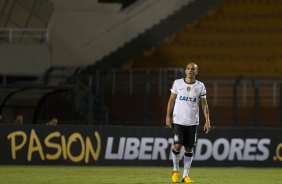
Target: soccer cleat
175,176
186,179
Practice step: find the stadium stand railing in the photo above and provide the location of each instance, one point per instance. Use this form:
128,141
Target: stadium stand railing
24,35
139,96
39,99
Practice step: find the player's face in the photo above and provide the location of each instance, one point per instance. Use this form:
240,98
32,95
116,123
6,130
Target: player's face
191,70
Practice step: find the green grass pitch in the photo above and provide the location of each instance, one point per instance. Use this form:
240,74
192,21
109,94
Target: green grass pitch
133,175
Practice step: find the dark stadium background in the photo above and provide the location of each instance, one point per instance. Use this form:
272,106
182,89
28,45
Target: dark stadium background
111,63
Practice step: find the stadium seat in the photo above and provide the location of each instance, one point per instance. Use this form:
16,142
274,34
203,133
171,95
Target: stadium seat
240,37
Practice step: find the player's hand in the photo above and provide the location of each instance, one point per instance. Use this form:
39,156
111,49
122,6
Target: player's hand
207,127
168,121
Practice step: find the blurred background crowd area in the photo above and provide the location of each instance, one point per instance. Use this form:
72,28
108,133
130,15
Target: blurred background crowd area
112,62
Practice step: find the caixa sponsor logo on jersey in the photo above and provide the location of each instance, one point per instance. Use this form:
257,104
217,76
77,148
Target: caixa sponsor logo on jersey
187,98
149,148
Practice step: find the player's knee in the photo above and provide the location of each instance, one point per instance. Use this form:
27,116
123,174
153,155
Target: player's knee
188,150
177,147
175,152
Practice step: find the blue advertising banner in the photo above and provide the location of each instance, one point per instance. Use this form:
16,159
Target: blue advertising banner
144,146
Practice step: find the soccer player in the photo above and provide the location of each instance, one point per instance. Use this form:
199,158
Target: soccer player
183,115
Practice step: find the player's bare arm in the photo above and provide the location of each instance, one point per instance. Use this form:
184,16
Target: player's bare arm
205,109
170,104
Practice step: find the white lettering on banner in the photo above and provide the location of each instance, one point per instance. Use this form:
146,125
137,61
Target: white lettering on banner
203,144
250,149
150,148
262,147
225,149
114,156
145,153
121,148
238,146
160,146
247,150
132,148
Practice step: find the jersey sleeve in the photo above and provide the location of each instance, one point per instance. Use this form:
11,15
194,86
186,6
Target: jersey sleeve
174,88
203,92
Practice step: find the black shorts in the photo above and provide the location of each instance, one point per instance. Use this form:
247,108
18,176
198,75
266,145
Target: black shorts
185,135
